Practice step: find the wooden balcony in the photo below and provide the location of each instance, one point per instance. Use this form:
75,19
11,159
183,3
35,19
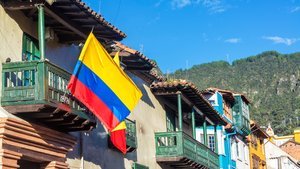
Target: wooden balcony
131,135
131,141
36,91
242,123
179,150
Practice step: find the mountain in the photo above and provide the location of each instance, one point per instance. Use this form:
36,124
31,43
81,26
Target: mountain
271,80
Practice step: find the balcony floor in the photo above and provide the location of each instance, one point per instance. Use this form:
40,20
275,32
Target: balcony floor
180,162
59,117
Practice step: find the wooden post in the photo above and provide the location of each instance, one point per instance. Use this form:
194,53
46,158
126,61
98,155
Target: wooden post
41,29
193,123
179,111
205,131
216,138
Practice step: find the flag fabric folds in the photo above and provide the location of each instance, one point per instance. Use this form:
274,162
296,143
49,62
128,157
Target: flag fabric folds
102,86
118,137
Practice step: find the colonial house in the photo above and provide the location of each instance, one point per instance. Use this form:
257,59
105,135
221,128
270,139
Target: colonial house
289,143
40,43
256,146
276,158
233,150
241,121
185,109
222,101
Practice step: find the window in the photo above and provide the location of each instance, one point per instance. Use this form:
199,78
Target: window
170,115
211,142
30,48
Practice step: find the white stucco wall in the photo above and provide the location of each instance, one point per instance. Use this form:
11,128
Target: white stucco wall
220,136
242,159
276,157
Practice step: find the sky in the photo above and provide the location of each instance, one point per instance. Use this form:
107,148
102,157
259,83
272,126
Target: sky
182,33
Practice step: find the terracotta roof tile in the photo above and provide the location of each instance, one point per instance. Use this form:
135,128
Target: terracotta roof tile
98,17
192,93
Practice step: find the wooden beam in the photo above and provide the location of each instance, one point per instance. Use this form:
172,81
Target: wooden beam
65,21
17,5
32,11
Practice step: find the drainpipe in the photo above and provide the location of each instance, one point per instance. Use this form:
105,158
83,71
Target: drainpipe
228,147
41,29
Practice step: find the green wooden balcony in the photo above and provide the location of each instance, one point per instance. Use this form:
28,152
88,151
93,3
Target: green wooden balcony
242,123
36,90
131,141
131,135
179,150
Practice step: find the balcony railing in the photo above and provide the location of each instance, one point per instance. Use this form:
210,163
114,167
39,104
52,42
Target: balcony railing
33,86
178,148
242,123
131,135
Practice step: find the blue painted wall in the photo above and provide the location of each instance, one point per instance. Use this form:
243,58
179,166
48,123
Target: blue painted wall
225,159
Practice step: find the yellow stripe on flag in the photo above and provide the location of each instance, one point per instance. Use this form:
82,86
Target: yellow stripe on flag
121,126
117,59
110,73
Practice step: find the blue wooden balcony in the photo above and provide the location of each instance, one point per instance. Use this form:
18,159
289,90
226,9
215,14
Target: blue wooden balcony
36,91
179,150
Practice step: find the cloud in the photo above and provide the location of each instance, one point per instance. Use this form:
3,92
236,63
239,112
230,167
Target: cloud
277,39
180,3
213,6
295,9
233,40
158,3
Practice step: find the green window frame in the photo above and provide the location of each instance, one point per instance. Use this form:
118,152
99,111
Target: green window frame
30,48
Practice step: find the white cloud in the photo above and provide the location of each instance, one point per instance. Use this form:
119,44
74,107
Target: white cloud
158,3
180,3
213,6
277,39
295,9
233,40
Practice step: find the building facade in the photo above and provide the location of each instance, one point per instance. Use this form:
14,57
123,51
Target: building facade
276,158
290,143
233,150
256,146
222,101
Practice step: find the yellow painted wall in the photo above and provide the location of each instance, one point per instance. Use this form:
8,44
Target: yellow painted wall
297,135
256,150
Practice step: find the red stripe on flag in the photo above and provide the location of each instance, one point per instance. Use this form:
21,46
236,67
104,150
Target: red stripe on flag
93,103
118,138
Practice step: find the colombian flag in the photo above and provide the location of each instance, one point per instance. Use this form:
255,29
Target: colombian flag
102,86
118,137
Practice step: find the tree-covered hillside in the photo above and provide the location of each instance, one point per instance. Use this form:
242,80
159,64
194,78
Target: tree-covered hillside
271,80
